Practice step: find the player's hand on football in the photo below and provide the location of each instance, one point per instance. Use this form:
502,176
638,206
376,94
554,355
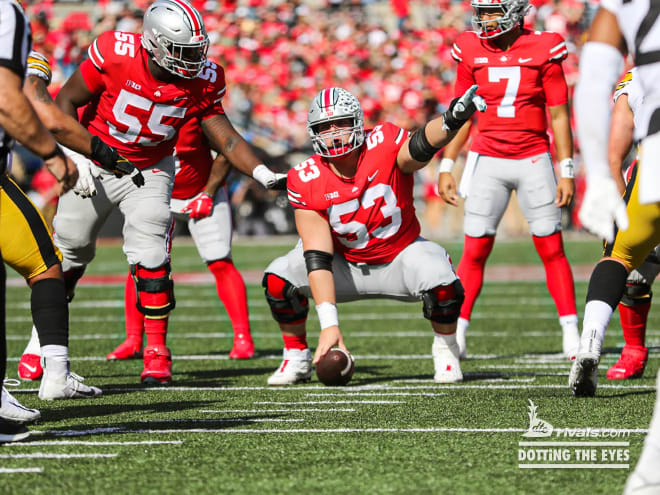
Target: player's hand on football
447,188
330,337
602,207
565,192
108,159
64,171
461,109
200,206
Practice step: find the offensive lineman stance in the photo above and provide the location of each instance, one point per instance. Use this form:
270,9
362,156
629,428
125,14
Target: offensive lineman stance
200,198
359,234
519,74
138,92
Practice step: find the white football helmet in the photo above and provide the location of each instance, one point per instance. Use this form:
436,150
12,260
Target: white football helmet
513,12
175,36
330,105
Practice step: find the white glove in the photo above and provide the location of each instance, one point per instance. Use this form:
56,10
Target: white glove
87,171
269,179
602,207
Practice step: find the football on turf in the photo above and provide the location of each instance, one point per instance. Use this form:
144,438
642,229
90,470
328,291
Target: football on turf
335,368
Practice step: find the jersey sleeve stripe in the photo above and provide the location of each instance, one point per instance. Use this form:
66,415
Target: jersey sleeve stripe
559,55
456,48
95,56
295,201
558,46
455,55
293,193
399,136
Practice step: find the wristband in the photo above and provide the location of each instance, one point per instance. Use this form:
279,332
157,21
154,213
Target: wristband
446,164
56,152
264,176
566,168
327,313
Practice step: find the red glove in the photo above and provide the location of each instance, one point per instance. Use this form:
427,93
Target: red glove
200,206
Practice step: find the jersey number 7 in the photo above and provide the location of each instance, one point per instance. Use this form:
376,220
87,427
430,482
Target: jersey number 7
506,108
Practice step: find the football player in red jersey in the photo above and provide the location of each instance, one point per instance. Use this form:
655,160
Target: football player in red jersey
137,92
519,74
200,198
359,236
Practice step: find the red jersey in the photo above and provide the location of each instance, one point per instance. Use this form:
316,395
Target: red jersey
517,85
371,216
194,161
136,113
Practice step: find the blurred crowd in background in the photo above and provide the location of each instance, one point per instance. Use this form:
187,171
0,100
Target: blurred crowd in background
392,54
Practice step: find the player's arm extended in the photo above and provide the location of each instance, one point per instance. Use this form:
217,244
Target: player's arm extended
18,118
621,138
561,127
225,139
314,231
425,142
74,94
66,129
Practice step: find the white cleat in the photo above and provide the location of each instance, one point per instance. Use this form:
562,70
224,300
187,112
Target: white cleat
570,341
583,377
64,384
296,367
446,362
12,410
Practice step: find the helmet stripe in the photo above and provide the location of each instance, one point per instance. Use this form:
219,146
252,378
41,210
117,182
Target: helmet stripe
192,14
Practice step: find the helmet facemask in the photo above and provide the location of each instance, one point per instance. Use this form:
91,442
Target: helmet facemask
513,13
174,35
335,106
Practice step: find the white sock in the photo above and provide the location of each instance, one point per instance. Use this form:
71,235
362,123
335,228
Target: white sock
462,325
33,346
568,322
56,354
597,316
444,339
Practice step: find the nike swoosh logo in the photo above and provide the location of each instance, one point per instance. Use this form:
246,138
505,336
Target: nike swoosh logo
371,177
156,170
523,60
534,160
30,368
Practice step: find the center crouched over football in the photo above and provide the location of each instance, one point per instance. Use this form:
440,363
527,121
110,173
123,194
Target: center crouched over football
335,368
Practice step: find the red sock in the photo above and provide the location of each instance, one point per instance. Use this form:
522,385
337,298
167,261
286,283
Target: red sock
558,275
471,269
633,322
295,341
154,326
231,291
134,319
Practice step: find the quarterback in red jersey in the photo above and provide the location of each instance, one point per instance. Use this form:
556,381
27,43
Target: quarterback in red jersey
137,92
200,198
359,236
519,74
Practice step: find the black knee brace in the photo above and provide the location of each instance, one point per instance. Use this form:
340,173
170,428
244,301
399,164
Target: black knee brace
636,293
287,305
50,311
442,305
146,287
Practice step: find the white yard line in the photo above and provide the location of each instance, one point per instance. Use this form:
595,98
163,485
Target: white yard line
269,411
47,455
229,420
21,470
330,402
96,444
